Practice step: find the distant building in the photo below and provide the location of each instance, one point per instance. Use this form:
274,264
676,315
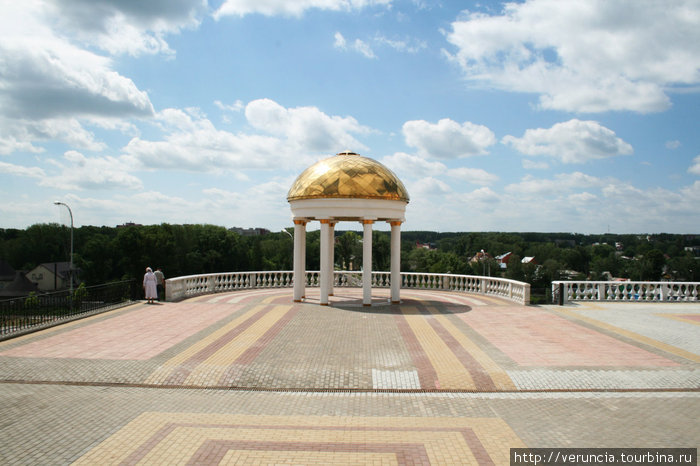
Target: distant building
480,256
52,276
250,231
18,287
503,260
420,245
129,224
7,274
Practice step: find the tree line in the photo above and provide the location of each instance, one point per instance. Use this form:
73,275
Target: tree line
105,254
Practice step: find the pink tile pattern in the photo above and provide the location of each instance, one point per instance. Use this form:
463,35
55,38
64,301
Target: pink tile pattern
534,337
137,335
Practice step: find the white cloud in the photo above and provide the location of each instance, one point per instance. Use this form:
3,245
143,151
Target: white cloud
340,41
427,187
584,198
48,78
675,144
50,88
364,48
132,28
584,55
532,165
79,172
562,183
291,8
307,127
482,196
237,106
19,134
412,165
473,175
192,142
448,139
695,167
402,45
20,170
573,141
358,45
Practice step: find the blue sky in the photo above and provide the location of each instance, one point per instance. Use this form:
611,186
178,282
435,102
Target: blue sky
544,115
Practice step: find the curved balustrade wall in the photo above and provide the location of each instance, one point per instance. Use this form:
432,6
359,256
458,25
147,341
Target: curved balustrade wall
625,291
194,285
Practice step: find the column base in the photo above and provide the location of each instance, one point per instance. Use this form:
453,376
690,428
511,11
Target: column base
396,302
324,304
366,305
297,300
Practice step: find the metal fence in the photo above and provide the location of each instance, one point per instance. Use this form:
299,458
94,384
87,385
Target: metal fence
18,315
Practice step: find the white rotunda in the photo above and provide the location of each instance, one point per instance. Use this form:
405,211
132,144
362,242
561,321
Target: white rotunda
346,187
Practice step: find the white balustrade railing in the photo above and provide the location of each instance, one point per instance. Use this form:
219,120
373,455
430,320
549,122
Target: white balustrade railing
567,291
189,286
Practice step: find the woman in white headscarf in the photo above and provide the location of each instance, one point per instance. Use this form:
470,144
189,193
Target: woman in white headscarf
149,285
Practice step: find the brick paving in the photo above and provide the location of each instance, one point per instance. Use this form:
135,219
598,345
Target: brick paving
252,378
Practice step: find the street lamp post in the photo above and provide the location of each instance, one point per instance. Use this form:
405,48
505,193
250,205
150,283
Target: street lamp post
70,270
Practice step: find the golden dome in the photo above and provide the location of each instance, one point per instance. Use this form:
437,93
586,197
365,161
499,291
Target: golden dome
348,175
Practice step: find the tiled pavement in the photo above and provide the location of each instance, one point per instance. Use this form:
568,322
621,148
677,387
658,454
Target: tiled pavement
251,378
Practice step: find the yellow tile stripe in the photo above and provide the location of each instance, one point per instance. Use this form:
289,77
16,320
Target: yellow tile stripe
634,336
450,372
252,457
163,372
499,376
183,442
213,368
445,446
679,318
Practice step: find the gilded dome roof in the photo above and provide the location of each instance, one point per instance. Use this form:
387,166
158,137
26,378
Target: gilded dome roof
348,175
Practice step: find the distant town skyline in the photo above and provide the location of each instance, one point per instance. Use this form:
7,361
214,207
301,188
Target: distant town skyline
539,115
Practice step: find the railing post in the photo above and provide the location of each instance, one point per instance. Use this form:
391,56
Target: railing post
526,294
562,298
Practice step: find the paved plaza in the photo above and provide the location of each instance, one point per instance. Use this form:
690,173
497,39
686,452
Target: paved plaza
249,377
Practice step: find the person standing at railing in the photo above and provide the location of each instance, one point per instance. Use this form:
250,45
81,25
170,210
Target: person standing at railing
160,283
149,286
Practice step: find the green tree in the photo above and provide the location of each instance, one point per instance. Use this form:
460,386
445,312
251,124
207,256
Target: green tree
348,251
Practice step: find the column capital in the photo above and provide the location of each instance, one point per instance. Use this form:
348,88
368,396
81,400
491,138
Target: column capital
395,223
299,221
325,220
367,222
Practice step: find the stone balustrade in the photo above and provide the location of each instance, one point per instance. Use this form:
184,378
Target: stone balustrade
194,285
567,291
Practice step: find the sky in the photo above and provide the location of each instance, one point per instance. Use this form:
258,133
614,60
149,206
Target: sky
545,115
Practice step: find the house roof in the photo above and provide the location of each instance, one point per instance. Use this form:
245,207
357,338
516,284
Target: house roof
62,268
7,273
20,286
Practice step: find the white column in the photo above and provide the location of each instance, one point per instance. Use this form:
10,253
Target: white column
367,263
299,260
331,259
303,262
325,228
395,262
